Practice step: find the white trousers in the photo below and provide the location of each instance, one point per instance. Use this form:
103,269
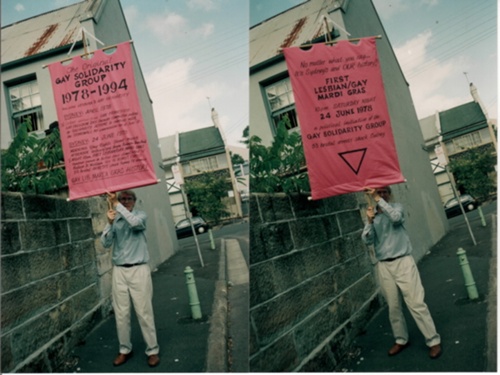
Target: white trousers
401,275
134,283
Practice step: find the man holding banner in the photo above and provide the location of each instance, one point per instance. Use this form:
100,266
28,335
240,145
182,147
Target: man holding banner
131,274
397,272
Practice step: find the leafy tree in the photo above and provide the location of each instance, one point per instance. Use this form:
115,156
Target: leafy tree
237,159
472,171
280,167
32,165
206,193
246,136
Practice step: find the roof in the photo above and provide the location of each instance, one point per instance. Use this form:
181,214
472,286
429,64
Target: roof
45,32
461,120
429,130
298,25
167,147
200,143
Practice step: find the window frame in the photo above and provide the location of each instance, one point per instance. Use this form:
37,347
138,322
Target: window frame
465,141
193,167
33,111
275,115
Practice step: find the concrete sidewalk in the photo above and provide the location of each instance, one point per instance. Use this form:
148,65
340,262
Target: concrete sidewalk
183,341
467,327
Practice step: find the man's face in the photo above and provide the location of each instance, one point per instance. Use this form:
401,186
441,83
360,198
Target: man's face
384,194
128,201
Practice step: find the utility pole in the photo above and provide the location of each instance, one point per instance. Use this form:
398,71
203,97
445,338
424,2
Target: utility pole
442,155
179,179
237,198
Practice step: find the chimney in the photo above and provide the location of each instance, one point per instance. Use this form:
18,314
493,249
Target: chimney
215,118
474,93
477,99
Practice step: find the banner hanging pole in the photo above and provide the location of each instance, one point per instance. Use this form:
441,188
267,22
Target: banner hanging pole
83,54
369,200
85,49
337,41
327,33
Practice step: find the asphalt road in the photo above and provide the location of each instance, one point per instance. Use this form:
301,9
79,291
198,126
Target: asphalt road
237,262
238,231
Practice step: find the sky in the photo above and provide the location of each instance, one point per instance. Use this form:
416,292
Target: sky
193,54
435,41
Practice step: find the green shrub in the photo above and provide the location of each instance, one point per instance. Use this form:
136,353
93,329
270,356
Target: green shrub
34,166
280,167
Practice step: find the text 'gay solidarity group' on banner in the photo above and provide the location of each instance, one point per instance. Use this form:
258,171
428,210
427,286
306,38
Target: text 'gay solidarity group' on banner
100,120
344,121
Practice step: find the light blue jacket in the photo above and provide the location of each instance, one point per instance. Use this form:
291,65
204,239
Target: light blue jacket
128,237
387,232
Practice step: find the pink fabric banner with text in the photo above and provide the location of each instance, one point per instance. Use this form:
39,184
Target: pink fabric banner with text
343,116
100,120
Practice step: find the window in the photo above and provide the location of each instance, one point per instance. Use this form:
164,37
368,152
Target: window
437,167
281,102
25,104
200,165
241,170
465,142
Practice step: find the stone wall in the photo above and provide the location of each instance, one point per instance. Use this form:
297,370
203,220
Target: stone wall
311,287
55,279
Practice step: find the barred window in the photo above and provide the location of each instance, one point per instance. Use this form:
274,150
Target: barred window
200,166
281,102
25,104
465,142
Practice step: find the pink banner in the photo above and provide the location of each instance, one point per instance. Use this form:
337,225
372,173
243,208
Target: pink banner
344,121
102,131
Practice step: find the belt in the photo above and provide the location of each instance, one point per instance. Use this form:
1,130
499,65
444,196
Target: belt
392,259
127,265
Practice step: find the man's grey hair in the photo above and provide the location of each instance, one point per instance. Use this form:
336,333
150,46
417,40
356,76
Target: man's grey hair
127,192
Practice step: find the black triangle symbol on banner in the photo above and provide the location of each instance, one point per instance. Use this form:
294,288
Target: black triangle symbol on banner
354,158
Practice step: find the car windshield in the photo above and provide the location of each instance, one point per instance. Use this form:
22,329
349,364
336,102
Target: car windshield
182,223
454,201
186,223
450,202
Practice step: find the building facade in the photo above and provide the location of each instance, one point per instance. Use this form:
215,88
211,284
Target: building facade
194,153
30,45
271,97
456,130
311,284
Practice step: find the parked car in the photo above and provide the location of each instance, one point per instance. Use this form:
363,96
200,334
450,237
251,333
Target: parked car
452,208
183,227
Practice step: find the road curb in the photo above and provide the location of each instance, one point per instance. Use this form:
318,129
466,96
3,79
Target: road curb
217,337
